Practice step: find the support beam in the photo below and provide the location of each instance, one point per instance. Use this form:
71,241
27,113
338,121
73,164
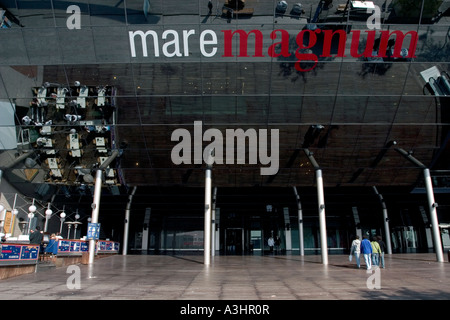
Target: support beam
387,235
433,215
127,222
213,223
96,204
207,222
95,211
210,154
300,223
431,204
321,207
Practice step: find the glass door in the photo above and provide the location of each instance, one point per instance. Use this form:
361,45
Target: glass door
234,241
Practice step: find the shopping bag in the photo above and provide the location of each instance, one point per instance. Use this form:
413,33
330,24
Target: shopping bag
350,257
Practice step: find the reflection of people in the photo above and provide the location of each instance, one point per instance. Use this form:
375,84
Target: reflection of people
271,242
355,249
210,5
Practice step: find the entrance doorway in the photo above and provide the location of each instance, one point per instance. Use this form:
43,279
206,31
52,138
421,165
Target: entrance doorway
404,239
234,241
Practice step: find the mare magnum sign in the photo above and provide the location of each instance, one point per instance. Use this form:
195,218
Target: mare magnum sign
171,43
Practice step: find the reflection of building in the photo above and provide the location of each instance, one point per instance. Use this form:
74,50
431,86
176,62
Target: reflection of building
360,104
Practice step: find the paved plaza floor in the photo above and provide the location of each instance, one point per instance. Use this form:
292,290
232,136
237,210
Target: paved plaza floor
278,277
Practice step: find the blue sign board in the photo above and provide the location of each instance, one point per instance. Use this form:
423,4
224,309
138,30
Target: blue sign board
93,231
18,254
29,253
11,252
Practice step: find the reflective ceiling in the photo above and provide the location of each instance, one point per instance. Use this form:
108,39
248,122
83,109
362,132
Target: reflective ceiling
346,113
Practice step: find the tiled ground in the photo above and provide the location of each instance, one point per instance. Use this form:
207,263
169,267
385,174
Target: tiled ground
290,277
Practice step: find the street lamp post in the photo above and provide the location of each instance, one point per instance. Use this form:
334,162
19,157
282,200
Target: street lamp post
48,215
62,217
31,210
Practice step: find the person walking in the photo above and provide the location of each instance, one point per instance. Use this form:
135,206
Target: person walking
277,244
356,250
210,6
271,243
375,252
366,250
383,250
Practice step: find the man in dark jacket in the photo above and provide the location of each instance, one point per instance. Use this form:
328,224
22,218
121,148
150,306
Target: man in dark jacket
383,250
36,236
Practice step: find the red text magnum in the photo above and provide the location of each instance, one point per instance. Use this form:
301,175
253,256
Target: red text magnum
177,44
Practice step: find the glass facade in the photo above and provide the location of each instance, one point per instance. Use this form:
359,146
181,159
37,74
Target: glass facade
362,74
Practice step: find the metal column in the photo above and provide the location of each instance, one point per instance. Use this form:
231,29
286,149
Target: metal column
322,221
207,225
213,223
321,207
386,222
96,204
300,223
95,211
127,222
433,216
432,205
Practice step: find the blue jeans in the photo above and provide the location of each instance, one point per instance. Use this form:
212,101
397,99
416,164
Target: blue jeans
375,259
368,261
382,259
358,259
